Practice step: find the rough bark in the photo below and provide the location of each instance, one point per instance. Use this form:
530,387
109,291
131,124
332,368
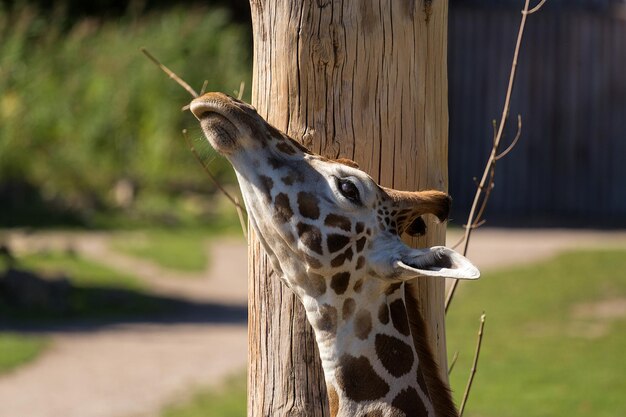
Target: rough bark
364,80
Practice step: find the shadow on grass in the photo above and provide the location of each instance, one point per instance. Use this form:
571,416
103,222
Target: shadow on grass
33,302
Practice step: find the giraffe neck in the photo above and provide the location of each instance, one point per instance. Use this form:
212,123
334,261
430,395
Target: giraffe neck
366,347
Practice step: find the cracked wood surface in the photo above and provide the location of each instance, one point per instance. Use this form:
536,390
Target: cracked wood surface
361,80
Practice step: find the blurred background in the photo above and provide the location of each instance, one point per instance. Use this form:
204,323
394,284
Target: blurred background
122,268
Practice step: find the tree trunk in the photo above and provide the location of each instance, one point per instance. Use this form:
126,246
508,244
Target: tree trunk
365,80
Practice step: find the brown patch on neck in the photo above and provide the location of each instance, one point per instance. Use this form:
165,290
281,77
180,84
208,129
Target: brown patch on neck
339,282
349,305
409,402
399,317
363,324
358,380
327,321
438,390
395,355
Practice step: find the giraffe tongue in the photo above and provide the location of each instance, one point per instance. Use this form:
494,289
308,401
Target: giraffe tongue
433,262
438,261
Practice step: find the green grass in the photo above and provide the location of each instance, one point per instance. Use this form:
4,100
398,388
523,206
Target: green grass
184,250
226,401
80,271
538,357
16,350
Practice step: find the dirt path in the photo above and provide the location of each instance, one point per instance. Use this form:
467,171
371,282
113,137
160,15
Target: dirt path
134,369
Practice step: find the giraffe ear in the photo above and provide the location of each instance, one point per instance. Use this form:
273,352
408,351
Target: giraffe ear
437,261
416,228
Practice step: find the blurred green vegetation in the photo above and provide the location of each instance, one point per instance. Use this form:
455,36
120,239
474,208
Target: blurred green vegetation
16,350
554,338
229,400
90,130
184,250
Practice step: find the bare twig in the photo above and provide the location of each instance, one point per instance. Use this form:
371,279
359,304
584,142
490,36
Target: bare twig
536,8
242,86
203,89
517,136
486,183
182,83
479,343
217,184
170,73
242,220
453,362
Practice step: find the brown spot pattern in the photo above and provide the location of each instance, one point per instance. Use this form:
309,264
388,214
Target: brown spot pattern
395,355
409,402
327,321
266,185
349,305
339,282
360,244
359,227
284,147
399,318
358,286
312,262
310,236
383,313
340,259
341,222
282,208
360,263
316,285
336,242
362,324
308,205
274,162
393,288
358,380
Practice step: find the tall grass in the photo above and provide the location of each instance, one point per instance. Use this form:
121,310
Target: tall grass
82,110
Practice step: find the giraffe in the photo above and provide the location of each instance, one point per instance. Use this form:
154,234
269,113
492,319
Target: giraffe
332,235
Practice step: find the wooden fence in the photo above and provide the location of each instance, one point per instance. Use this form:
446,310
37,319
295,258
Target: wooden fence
570,165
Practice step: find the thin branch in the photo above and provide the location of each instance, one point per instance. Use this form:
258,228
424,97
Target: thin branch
517,136
214,180
479,343
453,362
242,220
488,173
206,169
170,73
242,86
217,184
536,8
203,89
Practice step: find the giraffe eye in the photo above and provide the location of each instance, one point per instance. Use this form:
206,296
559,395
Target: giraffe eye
349,190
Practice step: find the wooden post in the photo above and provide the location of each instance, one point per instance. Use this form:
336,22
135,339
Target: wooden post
365,80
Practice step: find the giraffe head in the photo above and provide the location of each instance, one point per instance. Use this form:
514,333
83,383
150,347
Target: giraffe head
318,217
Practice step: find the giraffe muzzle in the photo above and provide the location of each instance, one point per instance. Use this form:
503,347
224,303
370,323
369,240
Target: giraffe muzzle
216,125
